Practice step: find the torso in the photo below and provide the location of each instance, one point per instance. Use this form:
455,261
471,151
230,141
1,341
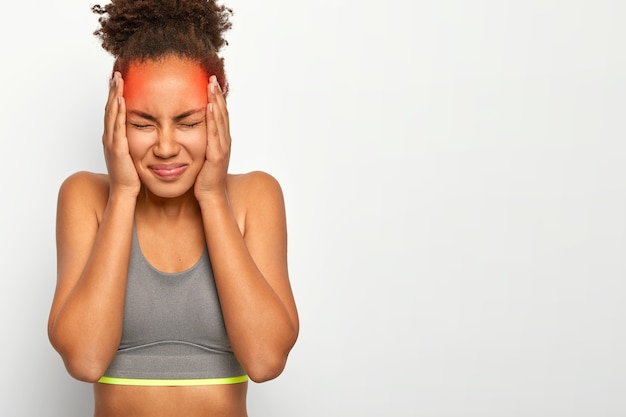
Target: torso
173,250
200,401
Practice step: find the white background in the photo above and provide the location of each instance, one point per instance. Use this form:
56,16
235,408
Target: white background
454,179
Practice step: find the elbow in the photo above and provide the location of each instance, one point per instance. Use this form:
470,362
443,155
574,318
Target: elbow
84,371
267,369
269,364
84,362
82,367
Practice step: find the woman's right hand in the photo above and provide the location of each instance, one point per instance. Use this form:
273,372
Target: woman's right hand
123,176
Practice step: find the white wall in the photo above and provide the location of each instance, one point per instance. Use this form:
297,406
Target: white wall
454,179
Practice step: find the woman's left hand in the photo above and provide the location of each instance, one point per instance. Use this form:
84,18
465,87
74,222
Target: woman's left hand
212,177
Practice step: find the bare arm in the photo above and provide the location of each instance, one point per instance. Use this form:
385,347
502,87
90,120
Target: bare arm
251,277
94,230
85,321
250,265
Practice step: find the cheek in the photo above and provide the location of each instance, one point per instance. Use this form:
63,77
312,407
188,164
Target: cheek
138,143
197,142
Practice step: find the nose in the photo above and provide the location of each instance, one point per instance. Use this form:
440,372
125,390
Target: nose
166,145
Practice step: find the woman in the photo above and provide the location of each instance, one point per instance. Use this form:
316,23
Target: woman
172,285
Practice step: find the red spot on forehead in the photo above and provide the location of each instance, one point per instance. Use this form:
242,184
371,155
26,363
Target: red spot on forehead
158,80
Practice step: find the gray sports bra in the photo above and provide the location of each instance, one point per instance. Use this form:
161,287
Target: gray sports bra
173,331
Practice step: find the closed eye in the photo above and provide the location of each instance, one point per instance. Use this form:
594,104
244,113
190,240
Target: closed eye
190,125
140,126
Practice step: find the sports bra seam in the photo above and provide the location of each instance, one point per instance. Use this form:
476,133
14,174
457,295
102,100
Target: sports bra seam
173,341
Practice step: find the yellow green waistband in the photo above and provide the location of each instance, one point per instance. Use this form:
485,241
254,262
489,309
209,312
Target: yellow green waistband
172,382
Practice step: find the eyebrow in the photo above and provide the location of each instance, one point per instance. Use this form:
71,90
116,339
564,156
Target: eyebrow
178,118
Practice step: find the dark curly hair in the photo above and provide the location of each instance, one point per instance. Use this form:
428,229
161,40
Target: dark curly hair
140,30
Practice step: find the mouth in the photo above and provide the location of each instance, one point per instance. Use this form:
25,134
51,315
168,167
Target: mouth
168,171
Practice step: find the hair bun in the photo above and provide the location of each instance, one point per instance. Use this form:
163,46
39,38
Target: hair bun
121,19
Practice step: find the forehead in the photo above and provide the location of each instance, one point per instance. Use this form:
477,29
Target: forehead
168,76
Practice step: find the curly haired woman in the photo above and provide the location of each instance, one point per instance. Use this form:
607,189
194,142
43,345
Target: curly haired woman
172,282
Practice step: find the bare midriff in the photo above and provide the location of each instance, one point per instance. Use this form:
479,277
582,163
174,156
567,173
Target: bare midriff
194,401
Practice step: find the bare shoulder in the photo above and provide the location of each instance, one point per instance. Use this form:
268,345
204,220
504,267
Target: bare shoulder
257,200
254,187
85,189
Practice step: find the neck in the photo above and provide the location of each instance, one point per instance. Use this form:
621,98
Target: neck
171,208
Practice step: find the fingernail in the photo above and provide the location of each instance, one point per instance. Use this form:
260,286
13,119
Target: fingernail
211,107
212,88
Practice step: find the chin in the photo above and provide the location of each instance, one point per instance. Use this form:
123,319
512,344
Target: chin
170,190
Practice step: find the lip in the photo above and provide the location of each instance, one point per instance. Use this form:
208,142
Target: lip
168,171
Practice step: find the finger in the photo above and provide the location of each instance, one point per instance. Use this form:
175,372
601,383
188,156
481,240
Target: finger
119,133
220,111
111,108
218,93
213,140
